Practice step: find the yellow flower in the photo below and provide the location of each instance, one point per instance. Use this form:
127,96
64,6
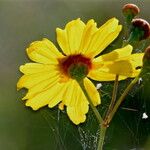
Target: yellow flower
50,80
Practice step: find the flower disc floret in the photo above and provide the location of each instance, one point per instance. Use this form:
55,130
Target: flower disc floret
75,66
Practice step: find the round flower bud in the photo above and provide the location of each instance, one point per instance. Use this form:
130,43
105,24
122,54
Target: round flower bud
140,28
130,9
147,54
145,71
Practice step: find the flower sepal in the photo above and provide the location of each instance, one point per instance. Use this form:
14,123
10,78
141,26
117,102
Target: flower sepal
140,30
78,71
130,11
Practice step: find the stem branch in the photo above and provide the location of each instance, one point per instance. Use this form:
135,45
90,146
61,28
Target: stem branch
120,100
114,95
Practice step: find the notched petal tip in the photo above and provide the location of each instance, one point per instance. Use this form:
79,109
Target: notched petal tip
50,106
19,84
28,104
45,40
18,88
91,21
81,121
24,98
129,47
119,28
77,119
58,30
61,106
21,68
114,20
91,24
73,22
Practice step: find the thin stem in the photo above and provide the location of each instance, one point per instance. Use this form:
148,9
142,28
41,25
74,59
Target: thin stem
120,100
102,137
97,114
114,95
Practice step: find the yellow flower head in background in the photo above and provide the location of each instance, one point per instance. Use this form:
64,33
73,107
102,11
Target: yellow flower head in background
50,80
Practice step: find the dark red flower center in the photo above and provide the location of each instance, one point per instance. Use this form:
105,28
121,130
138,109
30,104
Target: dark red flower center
75,65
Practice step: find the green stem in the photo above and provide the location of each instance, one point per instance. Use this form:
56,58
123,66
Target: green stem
120,100
97,114
114,95
102,137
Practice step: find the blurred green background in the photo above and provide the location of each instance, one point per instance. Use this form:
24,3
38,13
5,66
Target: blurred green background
24,21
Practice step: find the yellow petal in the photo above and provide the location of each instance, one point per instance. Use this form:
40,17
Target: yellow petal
78,108
69,39
121,67
88,32
115,54
44,98
137,62
75,116
103,37
32,68
137,59
100,75
58,97
92,91
62,40
77,105
72,93
135,73
29,81
44,52
41,86
69,92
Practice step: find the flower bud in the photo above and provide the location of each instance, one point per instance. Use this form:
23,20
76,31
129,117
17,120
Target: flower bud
130,8
130,11
140,30
143,28
145,74
145,71
147,54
